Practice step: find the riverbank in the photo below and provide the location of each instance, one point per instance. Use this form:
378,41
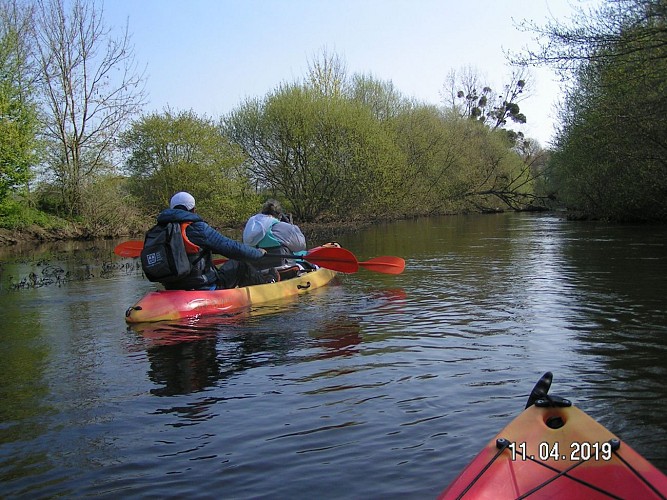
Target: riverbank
37,234
319,233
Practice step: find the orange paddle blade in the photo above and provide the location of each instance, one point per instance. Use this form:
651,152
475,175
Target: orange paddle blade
336,259
386,265
130,248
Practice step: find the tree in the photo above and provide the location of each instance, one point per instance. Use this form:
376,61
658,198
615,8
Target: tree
611,151
501,163
175,151
488,174
18,111
325,155
430,154
91,88
381,97
632,27
472,99
327,74
535,161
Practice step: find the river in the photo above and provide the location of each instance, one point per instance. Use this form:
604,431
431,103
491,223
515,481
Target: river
377,386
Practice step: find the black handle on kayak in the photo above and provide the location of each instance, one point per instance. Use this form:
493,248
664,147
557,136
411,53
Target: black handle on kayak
541,389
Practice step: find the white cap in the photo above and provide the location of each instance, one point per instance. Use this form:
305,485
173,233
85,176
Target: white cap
182,198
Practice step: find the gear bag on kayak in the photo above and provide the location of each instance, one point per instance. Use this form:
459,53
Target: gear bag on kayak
164,258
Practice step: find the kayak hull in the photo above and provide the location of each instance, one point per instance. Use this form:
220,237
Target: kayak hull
538,454
164,305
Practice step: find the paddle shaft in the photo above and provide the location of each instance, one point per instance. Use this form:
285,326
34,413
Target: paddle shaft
337,259
383,265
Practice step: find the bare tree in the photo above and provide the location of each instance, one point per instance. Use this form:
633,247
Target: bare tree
628,26
466,94
463,90
91,88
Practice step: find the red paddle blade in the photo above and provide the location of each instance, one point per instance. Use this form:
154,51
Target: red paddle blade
336,259
386,265
130,248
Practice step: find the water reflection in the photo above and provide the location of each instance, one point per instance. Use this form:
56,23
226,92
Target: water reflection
190,356
337,338
30,268
375,386
184,367
214,353
23,387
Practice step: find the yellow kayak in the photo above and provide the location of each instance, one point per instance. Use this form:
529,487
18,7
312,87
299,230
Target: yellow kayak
179,304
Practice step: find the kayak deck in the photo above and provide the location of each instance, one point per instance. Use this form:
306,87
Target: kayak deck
554,451
164,305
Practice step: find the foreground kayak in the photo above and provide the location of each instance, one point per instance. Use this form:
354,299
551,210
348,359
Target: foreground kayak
179,304
554,450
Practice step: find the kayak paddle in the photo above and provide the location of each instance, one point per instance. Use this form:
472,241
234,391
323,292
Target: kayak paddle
339,259
386,265
130,248
336,259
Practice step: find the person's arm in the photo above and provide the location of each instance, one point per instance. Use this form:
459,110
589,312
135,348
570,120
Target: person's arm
203,235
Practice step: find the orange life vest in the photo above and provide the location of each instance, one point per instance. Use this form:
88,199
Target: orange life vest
190,248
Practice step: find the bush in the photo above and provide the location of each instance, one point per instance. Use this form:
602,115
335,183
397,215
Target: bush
17,214
107,209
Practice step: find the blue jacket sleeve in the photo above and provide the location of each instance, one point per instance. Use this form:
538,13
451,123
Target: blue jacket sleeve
203,235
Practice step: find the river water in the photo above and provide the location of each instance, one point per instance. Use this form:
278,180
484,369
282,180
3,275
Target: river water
376,386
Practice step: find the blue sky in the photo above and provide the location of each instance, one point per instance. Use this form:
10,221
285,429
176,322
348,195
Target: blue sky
209,55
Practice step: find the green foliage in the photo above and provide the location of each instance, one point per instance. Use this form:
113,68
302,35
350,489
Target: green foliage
327,74
490,175
380,97
328,148
17,214
325,155
423,136
610,161
334,147
455,164
18,116
108,208
181,151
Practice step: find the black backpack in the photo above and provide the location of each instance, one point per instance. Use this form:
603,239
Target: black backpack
163,257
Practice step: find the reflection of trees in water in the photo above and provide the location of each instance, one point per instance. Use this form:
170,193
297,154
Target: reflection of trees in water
183,368
618,273
186,361
194,364
190,356
614,305
31,265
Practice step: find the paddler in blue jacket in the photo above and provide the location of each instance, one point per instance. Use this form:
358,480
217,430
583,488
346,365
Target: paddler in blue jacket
201,240
273,231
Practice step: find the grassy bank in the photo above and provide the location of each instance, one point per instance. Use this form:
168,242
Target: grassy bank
24,225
